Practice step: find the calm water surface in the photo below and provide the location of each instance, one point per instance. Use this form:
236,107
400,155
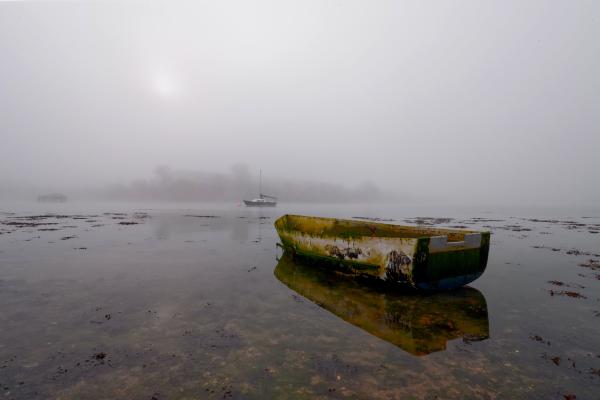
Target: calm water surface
196,301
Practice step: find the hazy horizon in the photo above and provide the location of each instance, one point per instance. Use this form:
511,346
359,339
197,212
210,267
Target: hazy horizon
450,102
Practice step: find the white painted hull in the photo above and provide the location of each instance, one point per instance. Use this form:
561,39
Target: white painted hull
250,203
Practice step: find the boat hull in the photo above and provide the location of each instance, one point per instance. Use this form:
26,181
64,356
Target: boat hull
422,258
250,203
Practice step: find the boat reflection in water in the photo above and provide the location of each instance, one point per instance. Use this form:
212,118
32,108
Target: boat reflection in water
419,324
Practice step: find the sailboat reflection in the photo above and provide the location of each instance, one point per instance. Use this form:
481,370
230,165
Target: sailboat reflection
416,323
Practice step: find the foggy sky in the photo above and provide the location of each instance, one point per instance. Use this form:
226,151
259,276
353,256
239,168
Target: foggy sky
451,100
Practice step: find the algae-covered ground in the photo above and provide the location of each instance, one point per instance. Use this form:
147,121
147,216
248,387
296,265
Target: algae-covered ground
183,302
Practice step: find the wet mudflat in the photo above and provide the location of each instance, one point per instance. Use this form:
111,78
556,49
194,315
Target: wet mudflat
159,302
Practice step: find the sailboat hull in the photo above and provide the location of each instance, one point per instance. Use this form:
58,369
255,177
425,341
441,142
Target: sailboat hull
251,203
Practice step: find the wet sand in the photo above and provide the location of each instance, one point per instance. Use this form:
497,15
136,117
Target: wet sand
171,302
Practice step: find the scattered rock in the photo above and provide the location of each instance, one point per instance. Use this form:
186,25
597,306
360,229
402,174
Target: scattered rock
560,283
428,220
540,339
591,263
576,252
572,252
566,293
374,219
514,228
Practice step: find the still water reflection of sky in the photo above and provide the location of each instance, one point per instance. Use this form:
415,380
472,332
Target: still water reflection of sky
192,302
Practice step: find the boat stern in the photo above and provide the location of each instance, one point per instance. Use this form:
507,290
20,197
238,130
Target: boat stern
440,264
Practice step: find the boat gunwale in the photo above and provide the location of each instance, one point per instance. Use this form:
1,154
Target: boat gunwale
400,227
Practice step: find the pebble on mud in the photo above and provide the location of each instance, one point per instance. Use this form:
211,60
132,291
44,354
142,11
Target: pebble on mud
540,339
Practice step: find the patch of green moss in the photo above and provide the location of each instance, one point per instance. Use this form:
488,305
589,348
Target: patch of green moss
347,229
346,265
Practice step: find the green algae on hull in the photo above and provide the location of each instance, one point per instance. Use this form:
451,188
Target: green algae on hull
421,257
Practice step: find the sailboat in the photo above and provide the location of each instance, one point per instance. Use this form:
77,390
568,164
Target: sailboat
262,200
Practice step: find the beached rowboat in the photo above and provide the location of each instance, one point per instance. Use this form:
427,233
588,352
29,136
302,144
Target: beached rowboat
421,257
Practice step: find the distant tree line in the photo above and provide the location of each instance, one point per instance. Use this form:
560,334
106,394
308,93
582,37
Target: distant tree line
173,185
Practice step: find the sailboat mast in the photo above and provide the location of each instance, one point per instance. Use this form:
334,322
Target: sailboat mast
260,184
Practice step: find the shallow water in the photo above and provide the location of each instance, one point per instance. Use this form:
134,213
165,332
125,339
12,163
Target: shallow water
194,301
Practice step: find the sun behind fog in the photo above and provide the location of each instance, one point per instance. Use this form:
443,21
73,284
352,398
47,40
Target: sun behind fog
165,85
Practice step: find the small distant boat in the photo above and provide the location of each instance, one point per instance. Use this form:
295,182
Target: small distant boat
414,256
52,198
262,200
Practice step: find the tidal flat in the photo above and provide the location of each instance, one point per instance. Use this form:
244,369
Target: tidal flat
192,301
